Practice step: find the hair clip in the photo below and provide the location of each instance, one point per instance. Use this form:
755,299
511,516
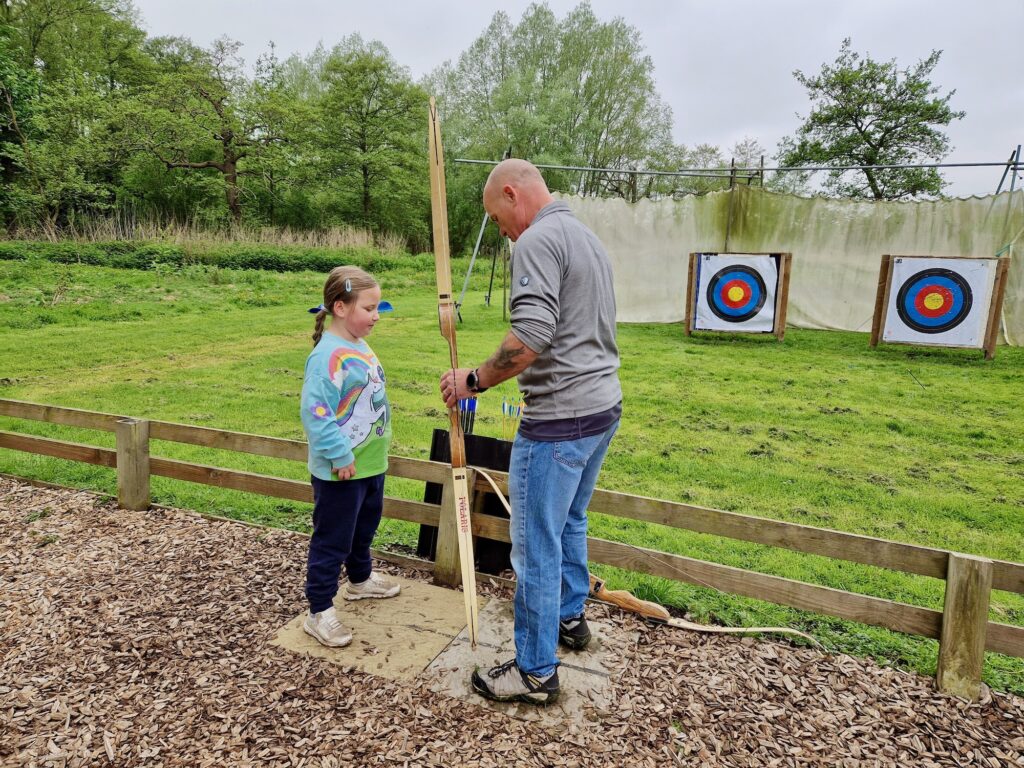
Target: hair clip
348,285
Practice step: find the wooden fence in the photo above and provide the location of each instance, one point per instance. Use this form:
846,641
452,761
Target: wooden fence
962,627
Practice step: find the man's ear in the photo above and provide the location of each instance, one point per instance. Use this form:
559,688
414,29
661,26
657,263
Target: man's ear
509,192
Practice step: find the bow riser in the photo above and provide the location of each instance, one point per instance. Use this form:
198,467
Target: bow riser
446,320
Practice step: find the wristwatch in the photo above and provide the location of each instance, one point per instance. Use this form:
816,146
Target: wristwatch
473,382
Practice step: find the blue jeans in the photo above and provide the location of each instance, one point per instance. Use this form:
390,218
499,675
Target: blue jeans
550,485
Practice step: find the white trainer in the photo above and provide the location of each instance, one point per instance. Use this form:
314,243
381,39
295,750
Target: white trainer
326,628
375,586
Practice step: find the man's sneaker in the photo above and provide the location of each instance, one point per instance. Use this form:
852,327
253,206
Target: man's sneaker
507,683
375,586
326,628
574,633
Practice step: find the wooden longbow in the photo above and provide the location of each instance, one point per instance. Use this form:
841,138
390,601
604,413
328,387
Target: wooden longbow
446,315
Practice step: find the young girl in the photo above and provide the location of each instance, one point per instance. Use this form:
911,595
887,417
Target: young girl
347,421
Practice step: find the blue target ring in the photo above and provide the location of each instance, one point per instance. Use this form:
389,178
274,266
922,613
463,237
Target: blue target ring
736,293
934,300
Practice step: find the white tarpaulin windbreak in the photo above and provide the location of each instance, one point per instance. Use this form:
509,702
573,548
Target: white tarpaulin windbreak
837,246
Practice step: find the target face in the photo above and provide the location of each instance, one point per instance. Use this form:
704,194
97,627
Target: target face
939,301
934,301
736,293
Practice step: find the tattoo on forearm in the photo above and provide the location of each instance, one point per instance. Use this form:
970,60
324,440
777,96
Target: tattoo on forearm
506,357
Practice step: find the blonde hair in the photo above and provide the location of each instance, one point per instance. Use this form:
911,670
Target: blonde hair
343,284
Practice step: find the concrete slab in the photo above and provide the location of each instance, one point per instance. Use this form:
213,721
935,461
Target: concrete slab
394,638
586,677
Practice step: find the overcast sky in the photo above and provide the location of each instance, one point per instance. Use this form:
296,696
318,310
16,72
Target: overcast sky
723,66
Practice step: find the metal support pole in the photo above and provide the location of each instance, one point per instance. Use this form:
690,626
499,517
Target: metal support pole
1006,170
1016,167
705,171
465,283
490,285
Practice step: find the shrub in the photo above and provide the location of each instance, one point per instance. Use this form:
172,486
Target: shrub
146,255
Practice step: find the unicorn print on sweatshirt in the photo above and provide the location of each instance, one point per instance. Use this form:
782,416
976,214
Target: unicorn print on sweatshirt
363,408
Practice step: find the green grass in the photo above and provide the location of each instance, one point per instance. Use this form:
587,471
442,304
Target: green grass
916,445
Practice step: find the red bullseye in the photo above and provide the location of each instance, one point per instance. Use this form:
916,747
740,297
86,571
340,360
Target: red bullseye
735,293
933,300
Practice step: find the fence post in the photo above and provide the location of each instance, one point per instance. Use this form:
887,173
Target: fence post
964,620
447,567
132,463
448,558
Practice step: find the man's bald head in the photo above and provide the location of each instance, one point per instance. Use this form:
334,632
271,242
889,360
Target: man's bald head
514,193
519,173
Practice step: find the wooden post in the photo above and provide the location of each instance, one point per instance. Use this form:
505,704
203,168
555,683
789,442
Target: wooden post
964,623
447,560
132,436
691,294
782,297
996,307
881,300
732,196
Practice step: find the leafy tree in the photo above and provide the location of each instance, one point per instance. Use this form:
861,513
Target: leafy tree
201,114
19,86
83,59
613,115
866,112
41,27
747,153
275,170
303,76
99,40
702,156
370,135
576,91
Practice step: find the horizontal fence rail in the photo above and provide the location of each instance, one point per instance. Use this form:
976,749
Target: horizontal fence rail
959,671
896,556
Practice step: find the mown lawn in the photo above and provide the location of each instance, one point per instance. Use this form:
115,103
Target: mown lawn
917,445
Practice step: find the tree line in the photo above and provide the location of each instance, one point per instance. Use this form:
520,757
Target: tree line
98,119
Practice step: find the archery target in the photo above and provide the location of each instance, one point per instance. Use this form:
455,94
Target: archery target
939,301
736,293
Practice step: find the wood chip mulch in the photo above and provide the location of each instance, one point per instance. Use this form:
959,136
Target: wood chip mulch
142,639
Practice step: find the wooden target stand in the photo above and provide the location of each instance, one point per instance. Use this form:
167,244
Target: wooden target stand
995,306
784,261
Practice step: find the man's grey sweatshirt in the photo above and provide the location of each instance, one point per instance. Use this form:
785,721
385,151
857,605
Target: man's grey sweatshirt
563,307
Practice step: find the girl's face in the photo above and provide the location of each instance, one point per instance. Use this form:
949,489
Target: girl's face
355,320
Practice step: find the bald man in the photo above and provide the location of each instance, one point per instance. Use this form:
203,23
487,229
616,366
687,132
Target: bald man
562,348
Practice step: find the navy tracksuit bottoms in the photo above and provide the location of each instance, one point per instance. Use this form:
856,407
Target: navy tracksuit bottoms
346,514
